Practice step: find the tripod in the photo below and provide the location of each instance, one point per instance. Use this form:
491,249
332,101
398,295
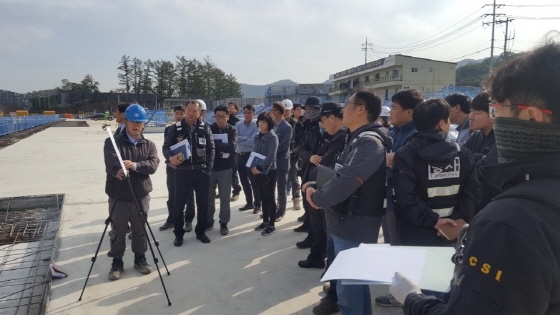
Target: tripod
143,218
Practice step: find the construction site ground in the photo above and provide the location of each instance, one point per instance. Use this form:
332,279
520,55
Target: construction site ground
241,273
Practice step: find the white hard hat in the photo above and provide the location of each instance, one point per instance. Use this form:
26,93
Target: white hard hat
384,111
287,104
202,104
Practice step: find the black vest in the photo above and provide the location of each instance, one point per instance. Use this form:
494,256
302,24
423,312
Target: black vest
197,139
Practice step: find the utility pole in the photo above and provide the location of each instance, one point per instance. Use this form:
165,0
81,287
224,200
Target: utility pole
506,38
494,6
365,48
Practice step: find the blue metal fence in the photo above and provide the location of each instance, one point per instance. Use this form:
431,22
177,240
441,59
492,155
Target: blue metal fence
15,124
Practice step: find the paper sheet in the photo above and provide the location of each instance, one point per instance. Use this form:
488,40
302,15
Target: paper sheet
221,138
430,267
182,147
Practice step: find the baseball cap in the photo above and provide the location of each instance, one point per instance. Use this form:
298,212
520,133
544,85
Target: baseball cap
313,101
329,108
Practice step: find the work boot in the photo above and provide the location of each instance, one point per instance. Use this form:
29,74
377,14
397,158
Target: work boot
306,243
297,203
166,226
141,264
117,268
326,307
312,261
224,229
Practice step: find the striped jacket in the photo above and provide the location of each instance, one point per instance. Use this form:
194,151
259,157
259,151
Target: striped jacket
433,178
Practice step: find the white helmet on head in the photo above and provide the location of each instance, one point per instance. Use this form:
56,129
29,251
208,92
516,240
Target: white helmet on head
384,111
202,104
287,104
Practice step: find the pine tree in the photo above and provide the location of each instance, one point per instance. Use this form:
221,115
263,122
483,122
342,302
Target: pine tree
125,76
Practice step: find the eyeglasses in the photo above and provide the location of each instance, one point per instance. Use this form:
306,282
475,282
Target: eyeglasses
323,119
493,107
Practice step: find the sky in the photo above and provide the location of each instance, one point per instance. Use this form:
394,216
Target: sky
258,41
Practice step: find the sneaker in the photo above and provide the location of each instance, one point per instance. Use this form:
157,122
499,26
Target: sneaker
209,227
141,264
278,219
261,226
166,226
234,197
246,207
297,203
306,243
268,230
302,228
313,261
387,301
203,238
117,268
257,210
188,227
326,307
224,229
301,219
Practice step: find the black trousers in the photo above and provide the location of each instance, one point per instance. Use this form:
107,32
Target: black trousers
189,214
248,181
266,186
319,232
187,181
236,188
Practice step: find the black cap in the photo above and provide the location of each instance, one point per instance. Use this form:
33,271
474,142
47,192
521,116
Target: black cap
297,105
313,101
329,108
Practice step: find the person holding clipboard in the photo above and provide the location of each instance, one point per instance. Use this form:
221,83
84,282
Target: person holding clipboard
264,169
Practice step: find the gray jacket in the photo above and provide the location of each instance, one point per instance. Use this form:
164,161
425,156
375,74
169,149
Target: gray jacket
361,158
266,145
284,132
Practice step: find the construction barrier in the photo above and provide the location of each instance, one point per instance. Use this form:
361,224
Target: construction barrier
14,124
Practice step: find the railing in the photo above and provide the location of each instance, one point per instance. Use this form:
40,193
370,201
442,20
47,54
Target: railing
14,124
372,82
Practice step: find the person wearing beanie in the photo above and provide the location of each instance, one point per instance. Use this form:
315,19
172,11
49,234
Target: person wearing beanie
509,258
482,142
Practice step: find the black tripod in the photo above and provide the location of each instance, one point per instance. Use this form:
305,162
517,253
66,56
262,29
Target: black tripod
143,218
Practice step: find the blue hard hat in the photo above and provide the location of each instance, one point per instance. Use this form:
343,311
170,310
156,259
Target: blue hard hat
135,113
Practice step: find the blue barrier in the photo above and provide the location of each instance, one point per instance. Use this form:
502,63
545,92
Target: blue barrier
14,124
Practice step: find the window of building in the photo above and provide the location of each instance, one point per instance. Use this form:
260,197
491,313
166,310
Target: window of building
396,89
387,73
396,72
367,78
377,75
414,69
386,94
312,88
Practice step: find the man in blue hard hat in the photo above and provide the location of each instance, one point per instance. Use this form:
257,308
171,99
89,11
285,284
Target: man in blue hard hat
140,158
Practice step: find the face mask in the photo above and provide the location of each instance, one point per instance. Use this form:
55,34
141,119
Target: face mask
310,114
519,139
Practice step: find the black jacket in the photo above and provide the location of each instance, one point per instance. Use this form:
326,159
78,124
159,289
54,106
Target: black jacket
220,163
147,161
308,147
432,179
511,261
484,152
354,196
329,149
297,136
233,120
202,144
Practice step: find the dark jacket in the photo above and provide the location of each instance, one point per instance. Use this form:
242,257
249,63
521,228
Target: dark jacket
233,120
308,147
202,144
220,163
400,136
120,130
484,152
267,145
144,154
432,179
330,148
297,136
283,131
355,195
511,260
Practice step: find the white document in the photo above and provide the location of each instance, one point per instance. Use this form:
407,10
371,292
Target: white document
221,138
429,267
254,160
183,147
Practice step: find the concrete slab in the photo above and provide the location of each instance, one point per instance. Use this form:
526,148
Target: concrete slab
241,273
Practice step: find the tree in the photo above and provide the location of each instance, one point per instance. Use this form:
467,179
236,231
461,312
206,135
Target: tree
88,84
125,76
182,76
164,78
146,86
136,74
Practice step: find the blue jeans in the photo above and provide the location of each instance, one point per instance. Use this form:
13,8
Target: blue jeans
352,299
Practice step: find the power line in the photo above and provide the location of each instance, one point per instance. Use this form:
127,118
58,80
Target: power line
535,18
531,5
476,52
452,57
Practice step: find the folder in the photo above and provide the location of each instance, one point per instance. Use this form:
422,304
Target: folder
256,159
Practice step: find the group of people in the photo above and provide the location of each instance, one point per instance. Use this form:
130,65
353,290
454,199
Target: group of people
363,167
